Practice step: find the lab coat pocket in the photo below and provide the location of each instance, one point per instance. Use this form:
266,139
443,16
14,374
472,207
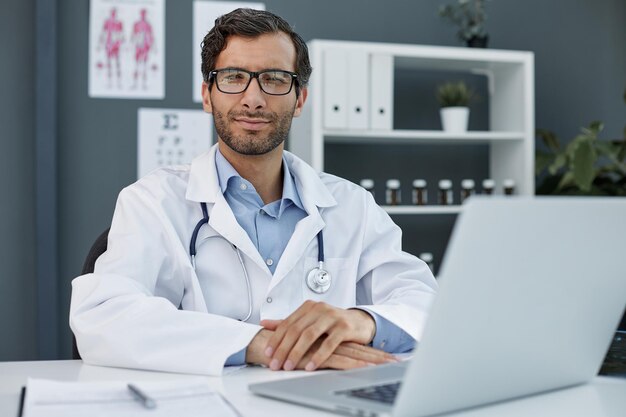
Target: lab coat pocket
342,290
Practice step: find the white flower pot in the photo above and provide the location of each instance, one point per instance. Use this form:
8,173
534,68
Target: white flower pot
454,119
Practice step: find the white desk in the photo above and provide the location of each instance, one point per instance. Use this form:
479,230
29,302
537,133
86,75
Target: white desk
604,397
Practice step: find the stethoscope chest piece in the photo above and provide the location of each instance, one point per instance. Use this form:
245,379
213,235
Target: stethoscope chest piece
318,280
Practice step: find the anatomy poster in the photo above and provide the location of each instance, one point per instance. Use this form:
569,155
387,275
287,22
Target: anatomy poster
204,15
127,49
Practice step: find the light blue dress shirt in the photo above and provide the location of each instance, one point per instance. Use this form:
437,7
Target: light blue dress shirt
270,227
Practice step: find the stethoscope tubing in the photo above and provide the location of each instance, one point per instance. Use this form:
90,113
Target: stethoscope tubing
193,251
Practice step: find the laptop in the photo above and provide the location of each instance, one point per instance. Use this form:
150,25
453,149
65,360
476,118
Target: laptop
615,360
531,292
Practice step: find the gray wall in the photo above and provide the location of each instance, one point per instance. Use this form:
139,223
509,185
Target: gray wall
17,215
580,52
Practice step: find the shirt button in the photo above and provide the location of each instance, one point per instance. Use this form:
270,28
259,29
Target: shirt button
269,261
269,299
243,186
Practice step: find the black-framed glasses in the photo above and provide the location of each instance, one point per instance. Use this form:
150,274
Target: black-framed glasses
236,80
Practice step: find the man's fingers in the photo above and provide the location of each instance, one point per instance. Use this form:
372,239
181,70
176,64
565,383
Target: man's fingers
365,353
286,324
319,353
332,345
343,362
271,324
298,340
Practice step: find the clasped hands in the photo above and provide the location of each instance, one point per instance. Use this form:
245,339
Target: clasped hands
317,335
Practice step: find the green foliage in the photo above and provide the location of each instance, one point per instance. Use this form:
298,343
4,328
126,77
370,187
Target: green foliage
587,165
468,15
453,94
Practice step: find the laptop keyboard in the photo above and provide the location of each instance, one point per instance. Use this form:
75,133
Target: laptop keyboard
385,393
615,360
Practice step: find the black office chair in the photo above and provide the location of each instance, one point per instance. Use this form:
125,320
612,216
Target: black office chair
97,249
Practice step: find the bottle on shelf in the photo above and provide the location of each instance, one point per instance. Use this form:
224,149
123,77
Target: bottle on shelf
488,186
420,193
392,195
428,258
509,187
445,192
467,189
368,184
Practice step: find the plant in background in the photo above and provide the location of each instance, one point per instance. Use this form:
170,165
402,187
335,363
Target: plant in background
454,98
455,94
586,166
470,17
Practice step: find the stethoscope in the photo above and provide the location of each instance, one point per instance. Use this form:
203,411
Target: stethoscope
318,279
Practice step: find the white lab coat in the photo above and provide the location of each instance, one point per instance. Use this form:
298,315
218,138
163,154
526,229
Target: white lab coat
145,306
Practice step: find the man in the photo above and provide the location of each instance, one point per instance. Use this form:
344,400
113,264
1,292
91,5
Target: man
255,214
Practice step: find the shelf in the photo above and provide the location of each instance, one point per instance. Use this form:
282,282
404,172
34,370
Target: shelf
431,57
455,209
418,136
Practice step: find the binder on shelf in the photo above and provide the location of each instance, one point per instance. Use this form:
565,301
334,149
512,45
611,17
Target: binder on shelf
358,90
335,85
381,92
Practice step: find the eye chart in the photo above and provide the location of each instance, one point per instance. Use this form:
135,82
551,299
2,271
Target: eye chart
171,137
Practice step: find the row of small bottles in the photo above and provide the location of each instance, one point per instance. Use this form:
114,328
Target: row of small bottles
445,195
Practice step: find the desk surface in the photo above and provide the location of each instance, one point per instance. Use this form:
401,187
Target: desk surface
604,397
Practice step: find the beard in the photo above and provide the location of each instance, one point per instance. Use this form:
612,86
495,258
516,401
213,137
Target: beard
253,142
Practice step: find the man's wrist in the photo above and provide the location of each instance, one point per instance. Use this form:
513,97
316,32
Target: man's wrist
366,325
255,352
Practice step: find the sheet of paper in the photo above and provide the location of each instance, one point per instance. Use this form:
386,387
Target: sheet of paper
127,49
47,398
204,15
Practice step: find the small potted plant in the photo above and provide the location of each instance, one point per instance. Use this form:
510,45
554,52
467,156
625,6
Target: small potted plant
470,17
454,99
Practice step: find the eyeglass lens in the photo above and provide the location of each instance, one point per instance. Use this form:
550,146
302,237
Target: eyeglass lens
235,81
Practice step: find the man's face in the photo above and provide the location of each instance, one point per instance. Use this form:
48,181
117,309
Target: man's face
253,122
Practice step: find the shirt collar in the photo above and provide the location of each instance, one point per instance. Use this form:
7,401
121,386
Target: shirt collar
225,171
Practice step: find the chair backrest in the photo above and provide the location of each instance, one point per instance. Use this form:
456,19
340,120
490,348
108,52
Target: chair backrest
97,249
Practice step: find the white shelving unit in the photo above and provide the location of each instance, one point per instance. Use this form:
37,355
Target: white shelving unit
510,77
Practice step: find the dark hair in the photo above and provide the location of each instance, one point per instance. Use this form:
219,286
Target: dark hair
252,23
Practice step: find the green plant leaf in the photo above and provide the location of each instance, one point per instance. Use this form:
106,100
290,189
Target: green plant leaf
584,158
549,139
559,162
606,148
567,180
542,161
595,127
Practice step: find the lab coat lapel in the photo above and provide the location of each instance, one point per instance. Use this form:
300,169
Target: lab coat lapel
222,219
305,232
204,186
314,195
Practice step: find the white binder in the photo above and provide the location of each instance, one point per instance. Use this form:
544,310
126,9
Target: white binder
335,76
358,90
381,92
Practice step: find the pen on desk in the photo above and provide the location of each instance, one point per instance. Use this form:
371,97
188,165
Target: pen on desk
141,396
20,410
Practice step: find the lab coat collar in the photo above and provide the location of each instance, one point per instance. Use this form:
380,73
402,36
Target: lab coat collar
204,186
311,189
204,183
